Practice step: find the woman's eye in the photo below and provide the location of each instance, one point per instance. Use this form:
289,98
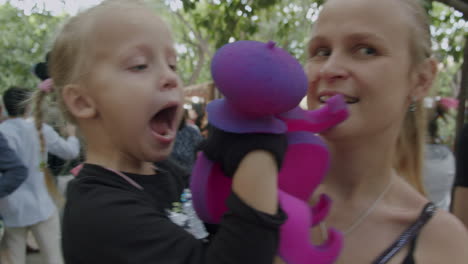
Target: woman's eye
139,67
367,51
173,67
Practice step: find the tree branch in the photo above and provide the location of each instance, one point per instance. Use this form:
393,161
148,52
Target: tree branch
188,25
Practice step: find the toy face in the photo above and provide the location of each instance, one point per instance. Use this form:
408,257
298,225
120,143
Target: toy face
259,78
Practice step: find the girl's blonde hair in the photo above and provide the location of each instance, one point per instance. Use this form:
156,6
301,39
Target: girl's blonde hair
69,59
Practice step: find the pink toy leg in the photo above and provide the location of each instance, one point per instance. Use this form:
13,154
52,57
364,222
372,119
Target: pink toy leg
210,189
304,166
295,239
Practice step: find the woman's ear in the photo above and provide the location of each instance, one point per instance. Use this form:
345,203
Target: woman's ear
424,77
78,102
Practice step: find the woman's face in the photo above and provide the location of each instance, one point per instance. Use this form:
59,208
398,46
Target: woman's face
361,49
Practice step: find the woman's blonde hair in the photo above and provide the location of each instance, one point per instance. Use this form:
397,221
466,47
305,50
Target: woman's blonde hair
69,62
411,140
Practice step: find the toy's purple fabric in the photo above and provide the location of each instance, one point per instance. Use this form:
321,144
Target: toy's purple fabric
258,81
263,86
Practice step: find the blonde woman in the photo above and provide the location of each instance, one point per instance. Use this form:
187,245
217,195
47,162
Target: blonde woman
377,54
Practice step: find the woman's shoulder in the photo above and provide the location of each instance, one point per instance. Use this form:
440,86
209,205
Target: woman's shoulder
444,239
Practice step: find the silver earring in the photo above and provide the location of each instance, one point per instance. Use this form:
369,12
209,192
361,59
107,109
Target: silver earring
412,107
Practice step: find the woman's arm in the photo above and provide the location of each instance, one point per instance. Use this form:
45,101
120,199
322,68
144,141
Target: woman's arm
443,240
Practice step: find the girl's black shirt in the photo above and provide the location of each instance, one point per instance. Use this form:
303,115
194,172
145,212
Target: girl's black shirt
107,220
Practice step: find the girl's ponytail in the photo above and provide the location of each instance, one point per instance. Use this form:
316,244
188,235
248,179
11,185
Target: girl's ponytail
45,87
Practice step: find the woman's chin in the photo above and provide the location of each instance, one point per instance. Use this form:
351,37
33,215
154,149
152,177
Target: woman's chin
338,132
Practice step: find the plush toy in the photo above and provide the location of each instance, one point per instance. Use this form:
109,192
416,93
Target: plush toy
263,86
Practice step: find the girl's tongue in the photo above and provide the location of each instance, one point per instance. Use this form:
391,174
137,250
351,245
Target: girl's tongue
160,127
162,121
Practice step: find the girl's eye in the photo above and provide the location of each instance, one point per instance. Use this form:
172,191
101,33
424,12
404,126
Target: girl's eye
139,67
367,51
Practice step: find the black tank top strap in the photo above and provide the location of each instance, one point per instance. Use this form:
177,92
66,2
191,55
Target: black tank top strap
409,259
409,235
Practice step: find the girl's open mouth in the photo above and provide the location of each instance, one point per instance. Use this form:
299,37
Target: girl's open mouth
163,123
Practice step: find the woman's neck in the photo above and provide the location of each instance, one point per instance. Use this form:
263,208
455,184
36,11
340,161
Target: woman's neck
359,168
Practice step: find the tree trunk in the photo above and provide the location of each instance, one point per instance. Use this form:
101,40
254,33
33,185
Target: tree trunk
462,96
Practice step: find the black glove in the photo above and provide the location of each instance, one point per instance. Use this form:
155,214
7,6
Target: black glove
229,149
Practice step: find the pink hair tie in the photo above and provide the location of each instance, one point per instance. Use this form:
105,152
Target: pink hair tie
46,85
76,170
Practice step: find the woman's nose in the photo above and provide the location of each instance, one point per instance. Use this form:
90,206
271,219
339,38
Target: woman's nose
333,69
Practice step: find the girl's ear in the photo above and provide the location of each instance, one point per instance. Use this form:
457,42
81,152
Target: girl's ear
78,102
424,78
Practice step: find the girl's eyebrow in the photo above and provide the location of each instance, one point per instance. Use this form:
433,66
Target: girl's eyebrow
138,49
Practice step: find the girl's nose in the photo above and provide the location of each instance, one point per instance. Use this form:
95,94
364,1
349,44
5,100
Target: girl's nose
169,79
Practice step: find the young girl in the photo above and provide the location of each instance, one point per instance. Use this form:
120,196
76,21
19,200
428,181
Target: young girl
114,71
378,55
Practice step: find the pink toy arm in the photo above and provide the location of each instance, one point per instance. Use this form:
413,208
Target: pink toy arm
334,112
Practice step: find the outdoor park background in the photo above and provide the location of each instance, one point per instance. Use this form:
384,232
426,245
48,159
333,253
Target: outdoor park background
27,28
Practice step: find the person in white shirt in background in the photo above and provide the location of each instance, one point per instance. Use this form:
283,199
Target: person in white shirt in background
31,207
439,163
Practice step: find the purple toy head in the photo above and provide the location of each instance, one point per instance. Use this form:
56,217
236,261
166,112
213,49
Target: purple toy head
258,78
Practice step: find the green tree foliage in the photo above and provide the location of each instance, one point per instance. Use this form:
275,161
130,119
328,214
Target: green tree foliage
23,41
204,26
